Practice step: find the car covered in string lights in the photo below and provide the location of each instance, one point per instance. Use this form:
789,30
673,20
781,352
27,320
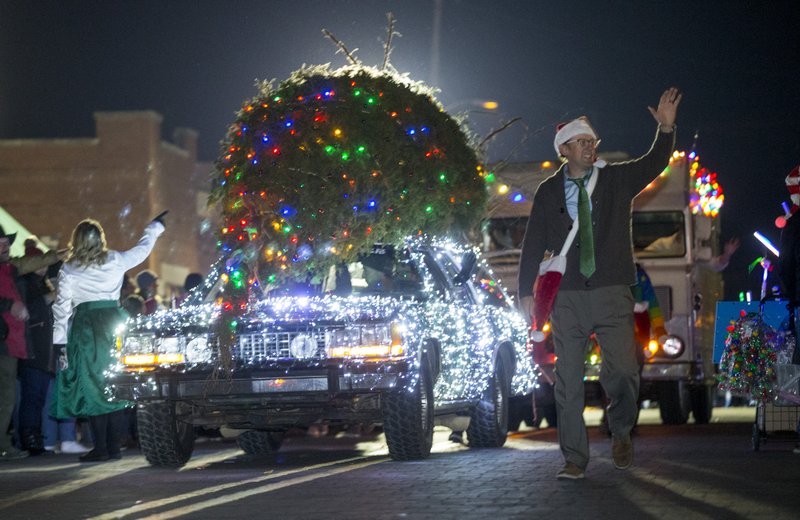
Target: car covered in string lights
402,338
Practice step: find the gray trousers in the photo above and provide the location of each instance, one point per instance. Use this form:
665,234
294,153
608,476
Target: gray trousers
608,312
8,397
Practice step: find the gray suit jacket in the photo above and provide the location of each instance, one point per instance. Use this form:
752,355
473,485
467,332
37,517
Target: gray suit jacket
549,223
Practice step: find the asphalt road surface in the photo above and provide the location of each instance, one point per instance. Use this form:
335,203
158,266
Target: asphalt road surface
686,472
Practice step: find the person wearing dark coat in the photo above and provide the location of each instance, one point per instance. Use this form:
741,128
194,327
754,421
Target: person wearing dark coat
13,345
36,371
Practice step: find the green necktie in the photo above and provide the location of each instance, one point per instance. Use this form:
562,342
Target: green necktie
585,229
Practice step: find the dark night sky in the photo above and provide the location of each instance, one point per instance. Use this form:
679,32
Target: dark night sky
196,61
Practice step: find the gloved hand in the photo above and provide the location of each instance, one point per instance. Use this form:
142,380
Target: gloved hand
61,359
160,217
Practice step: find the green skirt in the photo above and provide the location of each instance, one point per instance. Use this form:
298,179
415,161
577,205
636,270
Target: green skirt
81,388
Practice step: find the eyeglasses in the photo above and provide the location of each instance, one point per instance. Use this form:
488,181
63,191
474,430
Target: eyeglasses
585,143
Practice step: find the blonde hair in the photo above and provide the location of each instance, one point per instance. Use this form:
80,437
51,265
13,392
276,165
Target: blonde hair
88,244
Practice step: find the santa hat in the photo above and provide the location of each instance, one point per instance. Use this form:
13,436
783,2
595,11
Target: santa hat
793,185
566,131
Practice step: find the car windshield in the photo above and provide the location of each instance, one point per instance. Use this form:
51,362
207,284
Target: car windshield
383,271
502,234
659,234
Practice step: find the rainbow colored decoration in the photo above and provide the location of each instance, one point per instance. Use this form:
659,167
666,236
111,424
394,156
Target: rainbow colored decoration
706,195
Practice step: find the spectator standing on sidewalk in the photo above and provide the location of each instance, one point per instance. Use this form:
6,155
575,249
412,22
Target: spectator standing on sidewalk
86,313
13,347
595,294
36,371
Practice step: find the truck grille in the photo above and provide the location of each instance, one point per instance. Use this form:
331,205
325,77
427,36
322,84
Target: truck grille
257,346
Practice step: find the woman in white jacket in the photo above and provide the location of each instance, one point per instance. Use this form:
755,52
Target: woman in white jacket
86,314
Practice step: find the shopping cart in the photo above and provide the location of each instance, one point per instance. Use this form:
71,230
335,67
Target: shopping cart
779,419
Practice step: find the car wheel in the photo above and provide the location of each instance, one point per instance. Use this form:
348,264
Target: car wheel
408,418
165,439
488,426
257,442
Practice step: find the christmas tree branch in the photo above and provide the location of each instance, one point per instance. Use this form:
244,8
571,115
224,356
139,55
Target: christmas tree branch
341,46
387,48
495,132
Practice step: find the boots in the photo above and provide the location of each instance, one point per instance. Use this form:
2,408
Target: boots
31,441
99,426
116,422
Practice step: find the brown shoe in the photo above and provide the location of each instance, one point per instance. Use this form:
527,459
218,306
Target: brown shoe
570,471
622,452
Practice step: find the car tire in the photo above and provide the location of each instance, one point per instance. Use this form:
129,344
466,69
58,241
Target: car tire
164,439
488,425
674,402
408,418
258,442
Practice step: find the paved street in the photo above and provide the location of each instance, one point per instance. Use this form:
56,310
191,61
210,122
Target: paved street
684,472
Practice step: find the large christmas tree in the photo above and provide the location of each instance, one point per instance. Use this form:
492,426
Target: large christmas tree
317,169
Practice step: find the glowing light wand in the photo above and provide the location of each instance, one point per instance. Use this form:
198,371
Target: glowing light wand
764,240
765,263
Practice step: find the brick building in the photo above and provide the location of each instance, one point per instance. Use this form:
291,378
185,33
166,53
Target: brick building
123,177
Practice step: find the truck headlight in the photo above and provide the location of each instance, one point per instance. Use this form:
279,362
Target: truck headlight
303,346
673,347
380,340
148,350
198,350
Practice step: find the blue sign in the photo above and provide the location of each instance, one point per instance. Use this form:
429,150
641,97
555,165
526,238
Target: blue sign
774,314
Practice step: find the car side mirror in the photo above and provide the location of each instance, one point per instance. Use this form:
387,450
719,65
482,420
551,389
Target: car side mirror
468,264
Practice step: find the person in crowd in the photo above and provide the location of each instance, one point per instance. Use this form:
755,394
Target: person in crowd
595,295
13,346
192,280
133,304
720,262
86,313
128,287
148,290
36,371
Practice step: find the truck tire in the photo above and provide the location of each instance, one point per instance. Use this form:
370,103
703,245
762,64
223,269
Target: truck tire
257,442
674,402
703,402
408,419
165,440
488,425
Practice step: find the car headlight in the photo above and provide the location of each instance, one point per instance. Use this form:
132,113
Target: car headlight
379,340
673,346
